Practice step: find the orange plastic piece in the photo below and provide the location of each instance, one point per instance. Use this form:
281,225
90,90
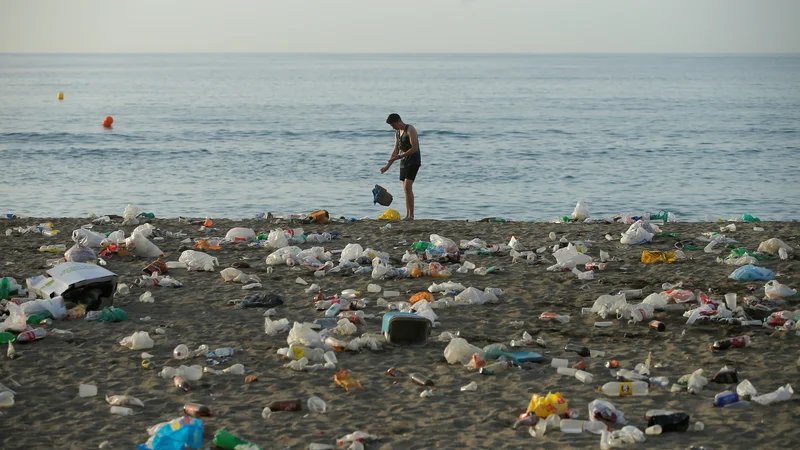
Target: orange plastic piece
108,121
204,244
208,223
345,380
420,296
654,256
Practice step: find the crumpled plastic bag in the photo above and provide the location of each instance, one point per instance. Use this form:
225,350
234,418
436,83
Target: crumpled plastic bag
237,276
772,246
424,309
447,286
351,252
581,211
129,215
139,340
16,319
195,260
752,273
544,406
657,300
746,390
55,306
241,234
177,434
389,214
461,351
603,411
640,232
570,257
142,247
281,255
364,341
145,230
380,269
476,296
273,327
277,239
92,239
448,245
609,304
773,289
80,253
302,334
345,328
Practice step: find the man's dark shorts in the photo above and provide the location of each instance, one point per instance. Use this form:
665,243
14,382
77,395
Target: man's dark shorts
409,173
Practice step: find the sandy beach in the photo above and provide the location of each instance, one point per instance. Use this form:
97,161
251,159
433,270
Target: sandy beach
48,413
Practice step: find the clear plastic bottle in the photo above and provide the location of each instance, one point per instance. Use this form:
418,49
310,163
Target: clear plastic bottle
566,371
623,389
584,377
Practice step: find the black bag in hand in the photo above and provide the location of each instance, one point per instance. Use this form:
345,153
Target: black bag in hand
380,195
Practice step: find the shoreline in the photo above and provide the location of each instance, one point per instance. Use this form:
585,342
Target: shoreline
49,370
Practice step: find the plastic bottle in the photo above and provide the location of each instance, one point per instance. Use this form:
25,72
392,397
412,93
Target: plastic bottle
228,441
670,422
6,337
655,430
558,362
579,349
5,286
566,371
629,375
725,398
617,389
180,352
197,410
737,342
579,426
584,377
121,410
181,384
494,368
31,335
421,380
286,405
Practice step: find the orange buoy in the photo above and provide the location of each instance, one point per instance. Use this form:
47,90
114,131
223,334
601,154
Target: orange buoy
108,121
61,96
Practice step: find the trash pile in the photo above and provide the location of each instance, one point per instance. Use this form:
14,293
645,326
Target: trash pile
341,323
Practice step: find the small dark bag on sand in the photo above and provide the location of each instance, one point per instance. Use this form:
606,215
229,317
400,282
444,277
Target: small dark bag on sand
380,195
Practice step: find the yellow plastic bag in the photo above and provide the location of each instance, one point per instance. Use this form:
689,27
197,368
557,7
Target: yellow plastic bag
550,404
654,256
389,214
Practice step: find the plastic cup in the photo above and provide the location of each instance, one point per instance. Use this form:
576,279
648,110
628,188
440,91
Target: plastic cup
730,301
87,390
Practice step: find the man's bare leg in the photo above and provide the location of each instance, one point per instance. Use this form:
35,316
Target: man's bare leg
408,189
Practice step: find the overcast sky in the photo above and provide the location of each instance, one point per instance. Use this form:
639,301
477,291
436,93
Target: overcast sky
680,26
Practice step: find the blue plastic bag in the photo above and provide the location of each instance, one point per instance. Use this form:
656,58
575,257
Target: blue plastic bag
752,273
177,434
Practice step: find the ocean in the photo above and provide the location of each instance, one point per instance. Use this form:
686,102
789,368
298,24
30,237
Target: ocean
516,136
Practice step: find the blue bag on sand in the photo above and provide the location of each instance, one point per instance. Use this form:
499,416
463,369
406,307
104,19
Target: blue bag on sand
381,195
177,434
752,273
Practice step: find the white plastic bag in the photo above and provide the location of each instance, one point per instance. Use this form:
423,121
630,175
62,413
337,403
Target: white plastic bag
116,237
80,253
772,246
129,215
237,276
241,234
448,245
142,247
137,341
345,327
379,269
195,260
640,232
657,300
281,255
302,334
351,252
570,257
15,320
277,239
92,239
145,230
515,244
608,304
445,287
581,211
461,351
273,327
476,296
55,306
774,289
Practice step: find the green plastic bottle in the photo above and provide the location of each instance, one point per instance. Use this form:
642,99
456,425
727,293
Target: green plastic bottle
421,245
37,318
6,337
262,237
5,286
228,441
147,215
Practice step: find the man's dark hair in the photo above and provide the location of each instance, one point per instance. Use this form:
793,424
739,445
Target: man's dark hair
393,118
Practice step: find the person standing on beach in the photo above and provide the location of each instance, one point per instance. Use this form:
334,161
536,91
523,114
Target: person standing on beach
406,149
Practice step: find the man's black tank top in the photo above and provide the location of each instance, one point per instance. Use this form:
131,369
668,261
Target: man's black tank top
404,143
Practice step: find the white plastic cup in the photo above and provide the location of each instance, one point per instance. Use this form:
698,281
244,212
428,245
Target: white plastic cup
87,390
730,301
180,352
317,405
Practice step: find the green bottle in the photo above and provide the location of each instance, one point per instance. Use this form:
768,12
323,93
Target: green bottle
5,286
6,337
228,441
421,245
262,237
37,318
147,215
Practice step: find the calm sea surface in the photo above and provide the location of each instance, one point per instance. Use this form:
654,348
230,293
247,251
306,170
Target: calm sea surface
517,136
